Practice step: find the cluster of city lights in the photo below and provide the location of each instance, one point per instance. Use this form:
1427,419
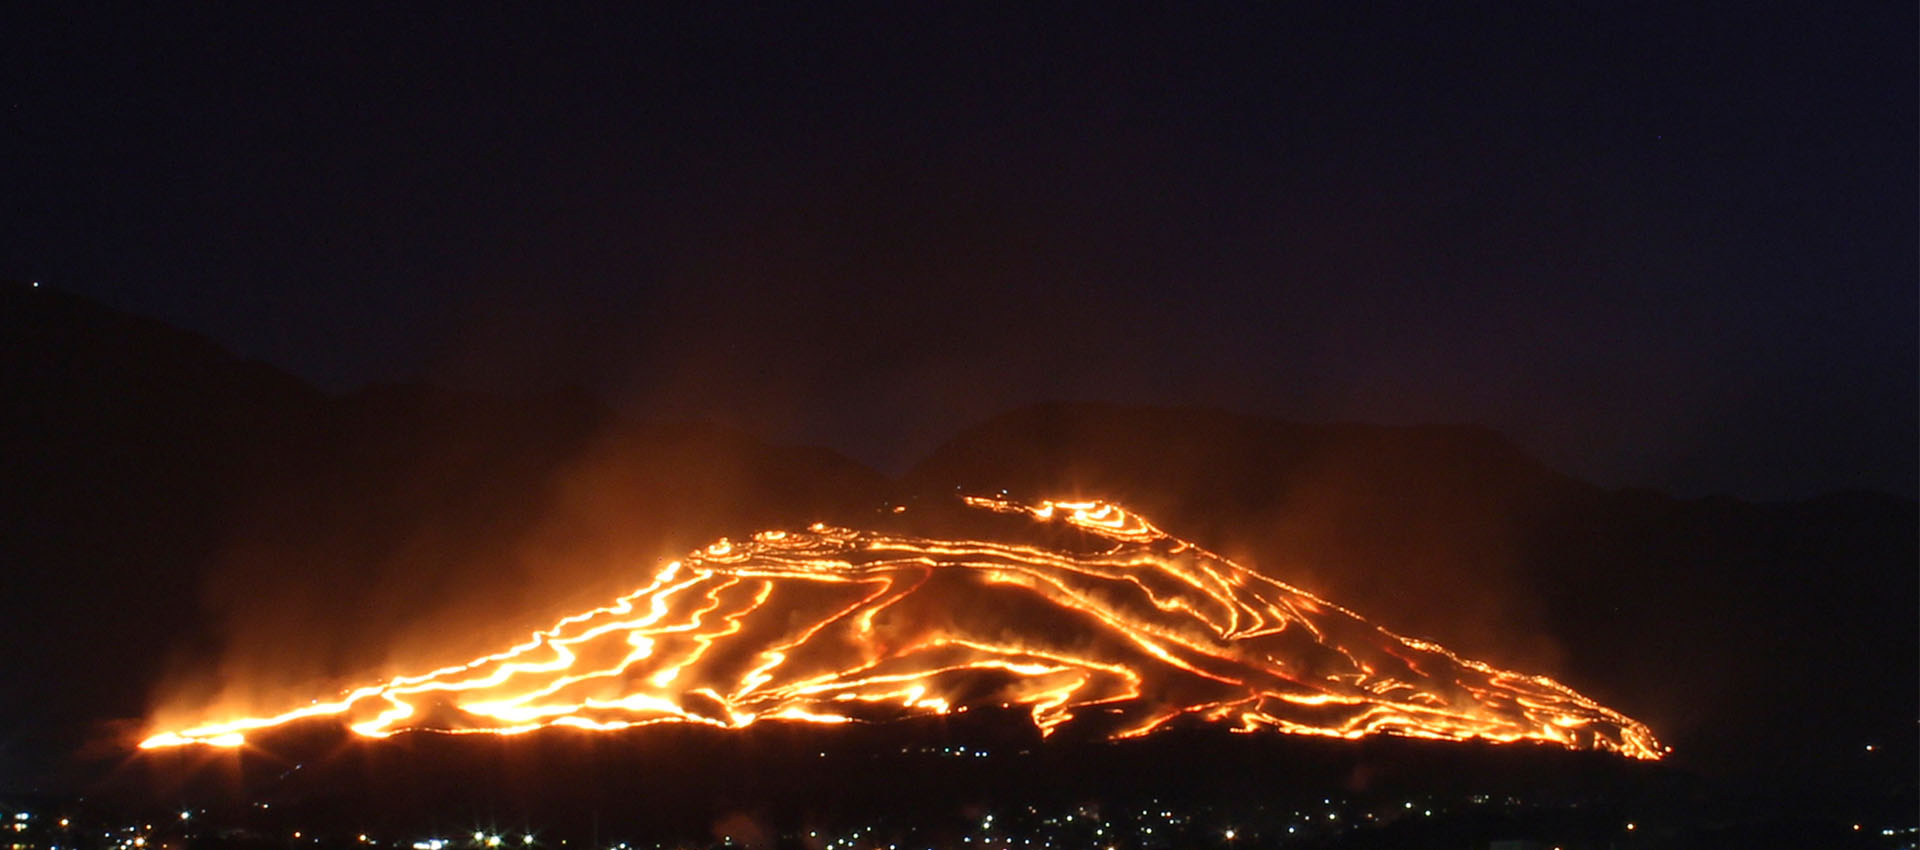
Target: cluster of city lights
1156,826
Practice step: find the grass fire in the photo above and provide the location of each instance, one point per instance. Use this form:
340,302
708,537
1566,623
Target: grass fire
1077,612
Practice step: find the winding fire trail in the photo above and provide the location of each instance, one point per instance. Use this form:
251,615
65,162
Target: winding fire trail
1068,609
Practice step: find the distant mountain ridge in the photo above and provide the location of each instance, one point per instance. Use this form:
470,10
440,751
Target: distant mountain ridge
172,508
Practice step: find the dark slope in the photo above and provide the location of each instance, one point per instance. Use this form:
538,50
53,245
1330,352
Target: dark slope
1762,639
175,514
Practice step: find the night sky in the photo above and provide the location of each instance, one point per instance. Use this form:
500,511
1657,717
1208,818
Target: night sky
1658,246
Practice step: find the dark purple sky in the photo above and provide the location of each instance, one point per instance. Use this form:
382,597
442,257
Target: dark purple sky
1659,246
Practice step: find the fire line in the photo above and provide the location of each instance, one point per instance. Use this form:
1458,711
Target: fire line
1127,624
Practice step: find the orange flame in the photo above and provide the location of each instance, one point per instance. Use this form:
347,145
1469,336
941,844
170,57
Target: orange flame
832,625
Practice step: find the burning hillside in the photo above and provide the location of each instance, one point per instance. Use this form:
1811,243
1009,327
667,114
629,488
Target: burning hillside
1075,611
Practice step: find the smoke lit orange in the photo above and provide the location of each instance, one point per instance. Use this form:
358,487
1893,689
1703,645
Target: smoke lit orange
1067,609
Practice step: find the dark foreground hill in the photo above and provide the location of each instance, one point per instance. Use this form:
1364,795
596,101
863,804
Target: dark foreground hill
678,780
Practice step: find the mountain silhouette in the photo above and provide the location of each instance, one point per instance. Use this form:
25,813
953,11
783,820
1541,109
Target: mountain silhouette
183,526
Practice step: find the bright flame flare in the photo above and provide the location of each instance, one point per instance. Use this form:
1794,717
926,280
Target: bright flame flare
831,625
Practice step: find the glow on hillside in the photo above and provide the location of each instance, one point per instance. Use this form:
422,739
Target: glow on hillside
835,625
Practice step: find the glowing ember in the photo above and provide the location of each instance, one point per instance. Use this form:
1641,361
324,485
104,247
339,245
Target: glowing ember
1066,609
